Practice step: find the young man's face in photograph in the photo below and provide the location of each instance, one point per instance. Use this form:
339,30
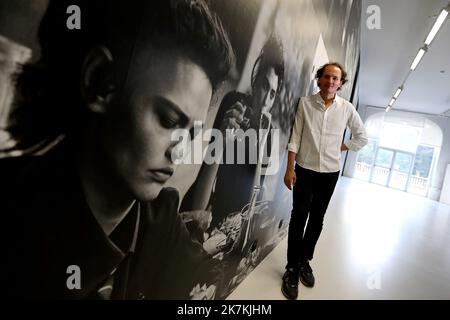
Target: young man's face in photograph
265,90
165,91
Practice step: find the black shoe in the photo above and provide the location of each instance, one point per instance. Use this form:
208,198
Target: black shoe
290,284
306,274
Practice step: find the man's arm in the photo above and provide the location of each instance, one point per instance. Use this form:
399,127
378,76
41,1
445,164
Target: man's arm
187,271
229,116
297,130
294,146
359,135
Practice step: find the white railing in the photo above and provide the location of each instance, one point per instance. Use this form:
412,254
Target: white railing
418,182
363,168
417,185
362,171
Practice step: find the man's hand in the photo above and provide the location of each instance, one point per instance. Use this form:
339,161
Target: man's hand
290,178
203,292
234,117
344,147
266,119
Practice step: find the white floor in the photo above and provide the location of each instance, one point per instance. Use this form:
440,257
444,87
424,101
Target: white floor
377,243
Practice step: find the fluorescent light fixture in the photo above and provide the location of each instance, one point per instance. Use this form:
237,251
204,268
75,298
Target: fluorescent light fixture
417,59
392,102
397,93
437,25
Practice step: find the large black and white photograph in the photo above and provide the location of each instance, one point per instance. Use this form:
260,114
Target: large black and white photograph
144,145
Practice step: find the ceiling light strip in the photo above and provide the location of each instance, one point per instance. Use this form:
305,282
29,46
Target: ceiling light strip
431,35
417,59
437,25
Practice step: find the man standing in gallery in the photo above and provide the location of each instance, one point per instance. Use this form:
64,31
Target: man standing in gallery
313,168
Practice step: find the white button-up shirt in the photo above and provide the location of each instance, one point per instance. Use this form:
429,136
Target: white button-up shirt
318,132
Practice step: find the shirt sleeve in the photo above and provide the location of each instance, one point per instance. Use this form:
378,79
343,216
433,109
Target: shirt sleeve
296,136
359,135
184,269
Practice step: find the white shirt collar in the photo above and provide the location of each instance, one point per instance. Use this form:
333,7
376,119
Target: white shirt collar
319,99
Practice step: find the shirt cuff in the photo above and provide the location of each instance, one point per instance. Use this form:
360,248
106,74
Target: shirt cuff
351,146
293,147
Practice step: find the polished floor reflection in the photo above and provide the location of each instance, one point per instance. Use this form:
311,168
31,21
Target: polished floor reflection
377,243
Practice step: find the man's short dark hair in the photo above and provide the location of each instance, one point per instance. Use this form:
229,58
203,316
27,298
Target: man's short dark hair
271,55
321,70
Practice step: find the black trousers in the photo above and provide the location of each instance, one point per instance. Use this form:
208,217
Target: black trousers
311,194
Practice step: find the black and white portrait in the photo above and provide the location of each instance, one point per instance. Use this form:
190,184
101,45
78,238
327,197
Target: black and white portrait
99,200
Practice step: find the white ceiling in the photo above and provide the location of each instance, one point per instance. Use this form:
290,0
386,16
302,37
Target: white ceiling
387,53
